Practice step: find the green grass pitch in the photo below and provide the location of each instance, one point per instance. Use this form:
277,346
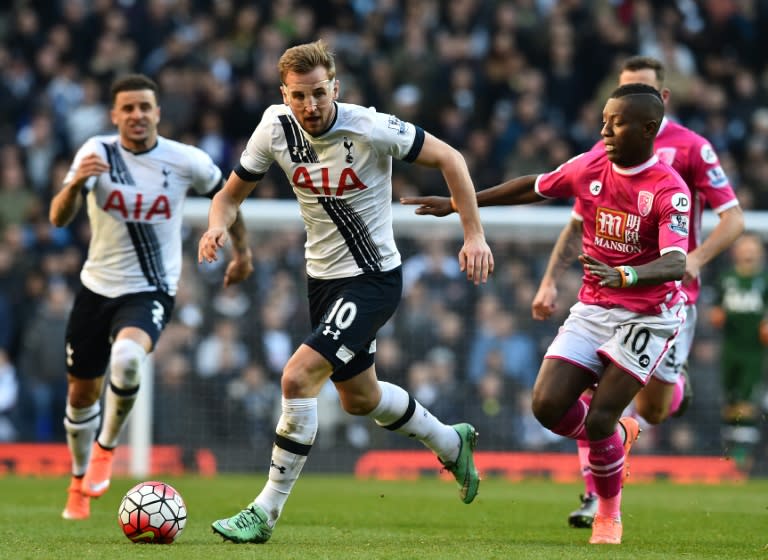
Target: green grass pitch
340,518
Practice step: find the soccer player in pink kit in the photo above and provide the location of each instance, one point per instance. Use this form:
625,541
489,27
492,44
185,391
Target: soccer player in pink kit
666,394
635,239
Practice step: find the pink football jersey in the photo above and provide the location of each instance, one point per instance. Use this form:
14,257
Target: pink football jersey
631,216
697,163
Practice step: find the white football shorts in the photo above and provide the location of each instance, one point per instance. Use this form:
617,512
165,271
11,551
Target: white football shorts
635,343
669,369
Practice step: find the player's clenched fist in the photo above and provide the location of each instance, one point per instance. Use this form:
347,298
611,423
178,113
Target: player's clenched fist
90,166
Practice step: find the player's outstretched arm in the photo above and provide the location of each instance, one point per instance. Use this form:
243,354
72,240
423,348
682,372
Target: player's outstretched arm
475,257
438,206
520,190
515,191
222,215
669,266
565,251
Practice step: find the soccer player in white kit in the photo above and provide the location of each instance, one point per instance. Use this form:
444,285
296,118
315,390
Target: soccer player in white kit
338,159
667,393
134,184
635,239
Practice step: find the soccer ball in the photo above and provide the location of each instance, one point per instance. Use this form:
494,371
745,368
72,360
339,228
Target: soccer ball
152,512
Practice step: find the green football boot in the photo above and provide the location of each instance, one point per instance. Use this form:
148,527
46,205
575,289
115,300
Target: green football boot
249,526
463,469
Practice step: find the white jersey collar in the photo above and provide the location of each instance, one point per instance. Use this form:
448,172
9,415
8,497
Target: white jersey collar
663,125
638,168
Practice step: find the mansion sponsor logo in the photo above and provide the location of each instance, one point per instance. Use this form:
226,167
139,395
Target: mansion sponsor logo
617,231
617,246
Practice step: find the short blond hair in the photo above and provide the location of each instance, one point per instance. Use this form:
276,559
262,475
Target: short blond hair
302,59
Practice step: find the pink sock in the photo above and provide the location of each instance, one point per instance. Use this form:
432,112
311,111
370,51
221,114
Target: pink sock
582,447
572,424
606,459
610,507
677,395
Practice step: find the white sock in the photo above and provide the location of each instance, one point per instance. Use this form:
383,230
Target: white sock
294,436
81,425
126,362
117,405
399,412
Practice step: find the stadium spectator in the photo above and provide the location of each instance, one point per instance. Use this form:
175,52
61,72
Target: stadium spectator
257,398
275,339
89,117
9,393
498,331
177,401
741,311
494,404
17,201
41,146
43,373
221,354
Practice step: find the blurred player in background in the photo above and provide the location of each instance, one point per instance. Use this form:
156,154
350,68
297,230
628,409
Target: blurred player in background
741,311
135,183
668,392
635,210
338,158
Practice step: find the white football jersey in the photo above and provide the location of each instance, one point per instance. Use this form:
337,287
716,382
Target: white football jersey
342,180
135,212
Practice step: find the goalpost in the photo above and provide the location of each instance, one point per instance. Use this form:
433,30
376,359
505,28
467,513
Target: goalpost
539,223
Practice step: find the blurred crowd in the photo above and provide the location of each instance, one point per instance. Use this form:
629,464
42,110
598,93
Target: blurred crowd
518,86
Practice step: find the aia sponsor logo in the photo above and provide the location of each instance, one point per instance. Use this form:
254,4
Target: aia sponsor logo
135,207
325,184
